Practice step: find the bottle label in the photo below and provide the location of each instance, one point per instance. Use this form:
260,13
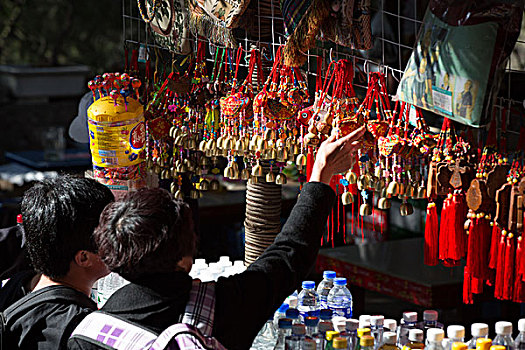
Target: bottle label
342,311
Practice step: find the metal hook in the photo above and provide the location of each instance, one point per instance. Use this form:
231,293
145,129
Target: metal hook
331,59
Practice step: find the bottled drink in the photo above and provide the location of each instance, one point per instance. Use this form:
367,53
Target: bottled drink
376,326
435,338
459,346
324,288
330,336
320,337
430,320
308,300
340,298
415,340
390,325
455,334
293,314
366,342
294,340
311,323
280,313
503,335
478,330
364,321
351,333
408,322
285,329
325,321
483,344
389,341
361,332
308,344
266,338
340,343
519,343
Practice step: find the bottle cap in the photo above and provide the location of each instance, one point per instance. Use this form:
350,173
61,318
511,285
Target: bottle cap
377,320
292,313
201,262
415,335
325,314
390,324
503,328
19,219
331,335
435,335
325,326
364,321
283,308
309,344
329,275
483,344
363,331
497,347
390,338
340,281
308,284
352,325
340,343
224,258
311,321
366,340
239,263
430,315
521,325
300,329
459,346
339,323
455,332
479,329
285,323
410,316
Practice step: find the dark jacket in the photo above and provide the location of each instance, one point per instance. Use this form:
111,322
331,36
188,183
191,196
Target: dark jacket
45,319
245,301
16,288
13,252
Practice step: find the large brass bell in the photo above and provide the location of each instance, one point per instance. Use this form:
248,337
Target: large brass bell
193,144
384,203
406,209
365,209
257,170
204,185
214,185
211,145
300,160
280,179
270,177
351,177
347,198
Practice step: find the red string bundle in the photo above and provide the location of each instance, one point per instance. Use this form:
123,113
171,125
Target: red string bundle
431,236
452,238
500,270
444,229
478,248
494,246
519,284
509,268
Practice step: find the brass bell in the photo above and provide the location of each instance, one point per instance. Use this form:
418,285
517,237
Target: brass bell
280,143
202,146
402,189
165,174
236,174
363,182
178,141
208,153
257,170
185,142
393,189
174,131
280,179
271,154
197,171
157,169
301,160
365,209
261,144
253,180
204,185
149,164
239,145
382,193
193,144
245,174
179,194
227,144
421,192
384,203
347,198
204,161
214,185
228,172
220,142
173,187
409,191
380,184
194,194
406,209
182,168
269,134
270,177
378,172
211,145
351,177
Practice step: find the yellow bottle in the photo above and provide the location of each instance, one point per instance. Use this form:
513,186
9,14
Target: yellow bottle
415,340
389,341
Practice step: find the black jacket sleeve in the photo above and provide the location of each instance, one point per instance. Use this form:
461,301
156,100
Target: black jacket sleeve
244,302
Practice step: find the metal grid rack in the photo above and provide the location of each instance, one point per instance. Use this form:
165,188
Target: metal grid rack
395,25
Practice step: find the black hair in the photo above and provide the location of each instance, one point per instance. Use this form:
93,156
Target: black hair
146,232
59,217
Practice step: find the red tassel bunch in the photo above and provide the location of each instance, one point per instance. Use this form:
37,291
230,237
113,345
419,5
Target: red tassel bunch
431,236
452,238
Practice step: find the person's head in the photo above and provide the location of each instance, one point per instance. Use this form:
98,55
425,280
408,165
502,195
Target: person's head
59,217
146,232
468,85
446,79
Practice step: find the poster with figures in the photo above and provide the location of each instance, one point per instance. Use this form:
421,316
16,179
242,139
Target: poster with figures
449,70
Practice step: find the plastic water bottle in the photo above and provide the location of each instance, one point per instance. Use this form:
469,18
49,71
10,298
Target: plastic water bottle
285,329
503,335
478,330
324,288
455,334
519,343
293,314
280,313
415,340
408,322
364,321
320,337
435,338
351,332
294,340
376,326
430,320
389,341
311,323
340,298
308,300
266,338
390,325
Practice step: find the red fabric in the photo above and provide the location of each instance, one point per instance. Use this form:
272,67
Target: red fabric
500,269
494,245
431,236
508,276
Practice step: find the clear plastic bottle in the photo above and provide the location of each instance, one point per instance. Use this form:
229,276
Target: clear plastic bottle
266,338
320,337
293,314
455,334
408,322
324,288
351,333
311,323
364,321
376,326
294,340
483,344
285,329
430,320
415,339
340,298
280,313
361,332
478,330
308,344
389,341
519,343
308,300
503,335
435,338
366,342
390,325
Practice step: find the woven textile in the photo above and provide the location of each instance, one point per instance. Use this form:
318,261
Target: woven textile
170,26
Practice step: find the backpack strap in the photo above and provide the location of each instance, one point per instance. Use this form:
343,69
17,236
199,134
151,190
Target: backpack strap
200,309
186,337
112,332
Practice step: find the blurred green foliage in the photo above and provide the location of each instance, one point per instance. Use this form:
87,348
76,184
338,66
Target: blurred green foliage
62,32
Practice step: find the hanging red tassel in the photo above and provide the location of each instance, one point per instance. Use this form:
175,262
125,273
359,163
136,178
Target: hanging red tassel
500,269
519,284
494,245
508,278
458,245
467,287
484,246
431,235
473,246
478,247
444,229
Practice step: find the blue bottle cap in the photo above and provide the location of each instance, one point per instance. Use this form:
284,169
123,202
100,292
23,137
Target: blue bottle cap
325,314
285,323
311,321
329,274
292,313
283,308
308,284
340,281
